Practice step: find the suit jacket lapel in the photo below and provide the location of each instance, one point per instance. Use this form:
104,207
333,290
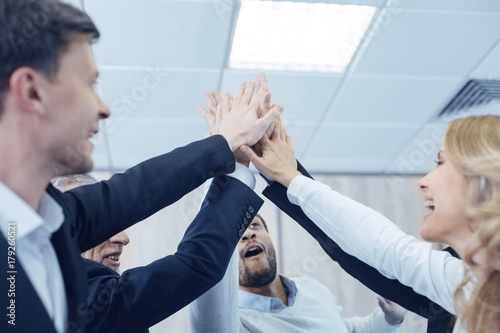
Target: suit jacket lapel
30,314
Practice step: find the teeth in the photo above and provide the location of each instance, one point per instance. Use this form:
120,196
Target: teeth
429,204
114,258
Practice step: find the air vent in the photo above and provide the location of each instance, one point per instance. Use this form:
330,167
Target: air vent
475,93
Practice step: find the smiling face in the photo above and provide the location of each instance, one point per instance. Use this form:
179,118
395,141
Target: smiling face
257,263
108,253
445,191
72,109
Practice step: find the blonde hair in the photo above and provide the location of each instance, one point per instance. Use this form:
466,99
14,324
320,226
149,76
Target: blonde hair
473,145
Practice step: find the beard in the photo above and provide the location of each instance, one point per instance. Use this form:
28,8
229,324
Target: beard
262,277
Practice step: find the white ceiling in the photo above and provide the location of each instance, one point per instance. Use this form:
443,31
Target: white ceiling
378,117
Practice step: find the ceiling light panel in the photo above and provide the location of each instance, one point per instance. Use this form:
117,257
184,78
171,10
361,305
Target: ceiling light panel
298,36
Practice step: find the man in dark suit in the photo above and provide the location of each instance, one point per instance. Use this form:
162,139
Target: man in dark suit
141,297
108,252
48,112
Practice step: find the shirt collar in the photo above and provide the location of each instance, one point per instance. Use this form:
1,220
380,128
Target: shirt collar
267,304
49,215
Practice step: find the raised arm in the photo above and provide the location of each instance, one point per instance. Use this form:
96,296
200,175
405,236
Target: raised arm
143,296
359,230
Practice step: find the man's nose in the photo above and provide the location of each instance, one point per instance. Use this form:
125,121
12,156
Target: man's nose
120,238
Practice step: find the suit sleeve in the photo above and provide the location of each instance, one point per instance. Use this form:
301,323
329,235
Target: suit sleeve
143,296
369,276
101,210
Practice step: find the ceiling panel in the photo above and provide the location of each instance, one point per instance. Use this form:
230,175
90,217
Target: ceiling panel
343,2
470,5
160,33
301,134
133,141
304,95
347,147
490,67
430,43
157,93
419,152
393,99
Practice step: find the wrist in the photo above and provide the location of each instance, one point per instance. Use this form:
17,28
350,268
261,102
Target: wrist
287,177
394,321
231,142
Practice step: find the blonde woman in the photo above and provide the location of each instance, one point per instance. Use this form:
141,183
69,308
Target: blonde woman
463,195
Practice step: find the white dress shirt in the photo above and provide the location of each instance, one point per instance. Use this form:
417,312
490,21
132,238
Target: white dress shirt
35,251
372,238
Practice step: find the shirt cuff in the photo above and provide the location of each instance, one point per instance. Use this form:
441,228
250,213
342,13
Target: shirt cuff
244,175
382,325
294,188
228,144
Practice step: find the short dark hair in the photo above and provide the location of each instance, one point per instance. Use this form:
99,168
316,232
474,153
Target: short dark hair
34,33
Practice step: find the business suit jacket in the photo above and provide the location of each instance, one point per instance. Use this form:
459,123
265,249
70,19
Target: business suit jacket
143,296
94,213
439,320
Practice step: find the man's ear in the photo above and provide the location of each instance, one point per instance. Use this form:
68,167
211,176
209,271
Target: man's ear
25,85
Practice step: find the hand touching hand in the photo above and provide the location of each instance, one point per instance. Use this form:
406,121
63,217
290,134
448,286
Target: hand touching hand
277,162
238,119
265,103
394,313
214,102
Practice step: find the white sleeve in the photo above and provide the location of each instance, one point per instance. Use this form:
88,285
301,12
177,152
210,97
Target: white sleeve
218,309
369,236
375,322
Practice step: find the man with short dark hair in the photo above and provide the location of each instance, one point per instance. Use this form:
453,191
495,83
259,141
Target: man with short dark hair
48,112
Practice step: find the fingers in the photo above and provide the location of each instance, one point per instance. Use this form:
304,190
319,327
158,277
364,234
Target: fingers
270,117
251,155
225,103
288,139
282,131
212,106
247,96
216,96
270,129
261,78
209,117
239,93
260,95
265,104
218,118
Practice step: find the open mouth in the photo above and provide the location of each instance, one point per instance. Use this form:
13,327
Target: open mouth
429,204
112,259
253,250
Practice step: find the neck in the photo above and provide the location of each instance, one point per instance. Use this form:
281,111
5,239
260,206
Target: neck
22,167
274,289
459,247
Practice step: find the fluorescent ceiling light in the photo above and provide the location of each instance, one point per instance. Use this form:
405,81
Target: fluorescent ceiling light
298,36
